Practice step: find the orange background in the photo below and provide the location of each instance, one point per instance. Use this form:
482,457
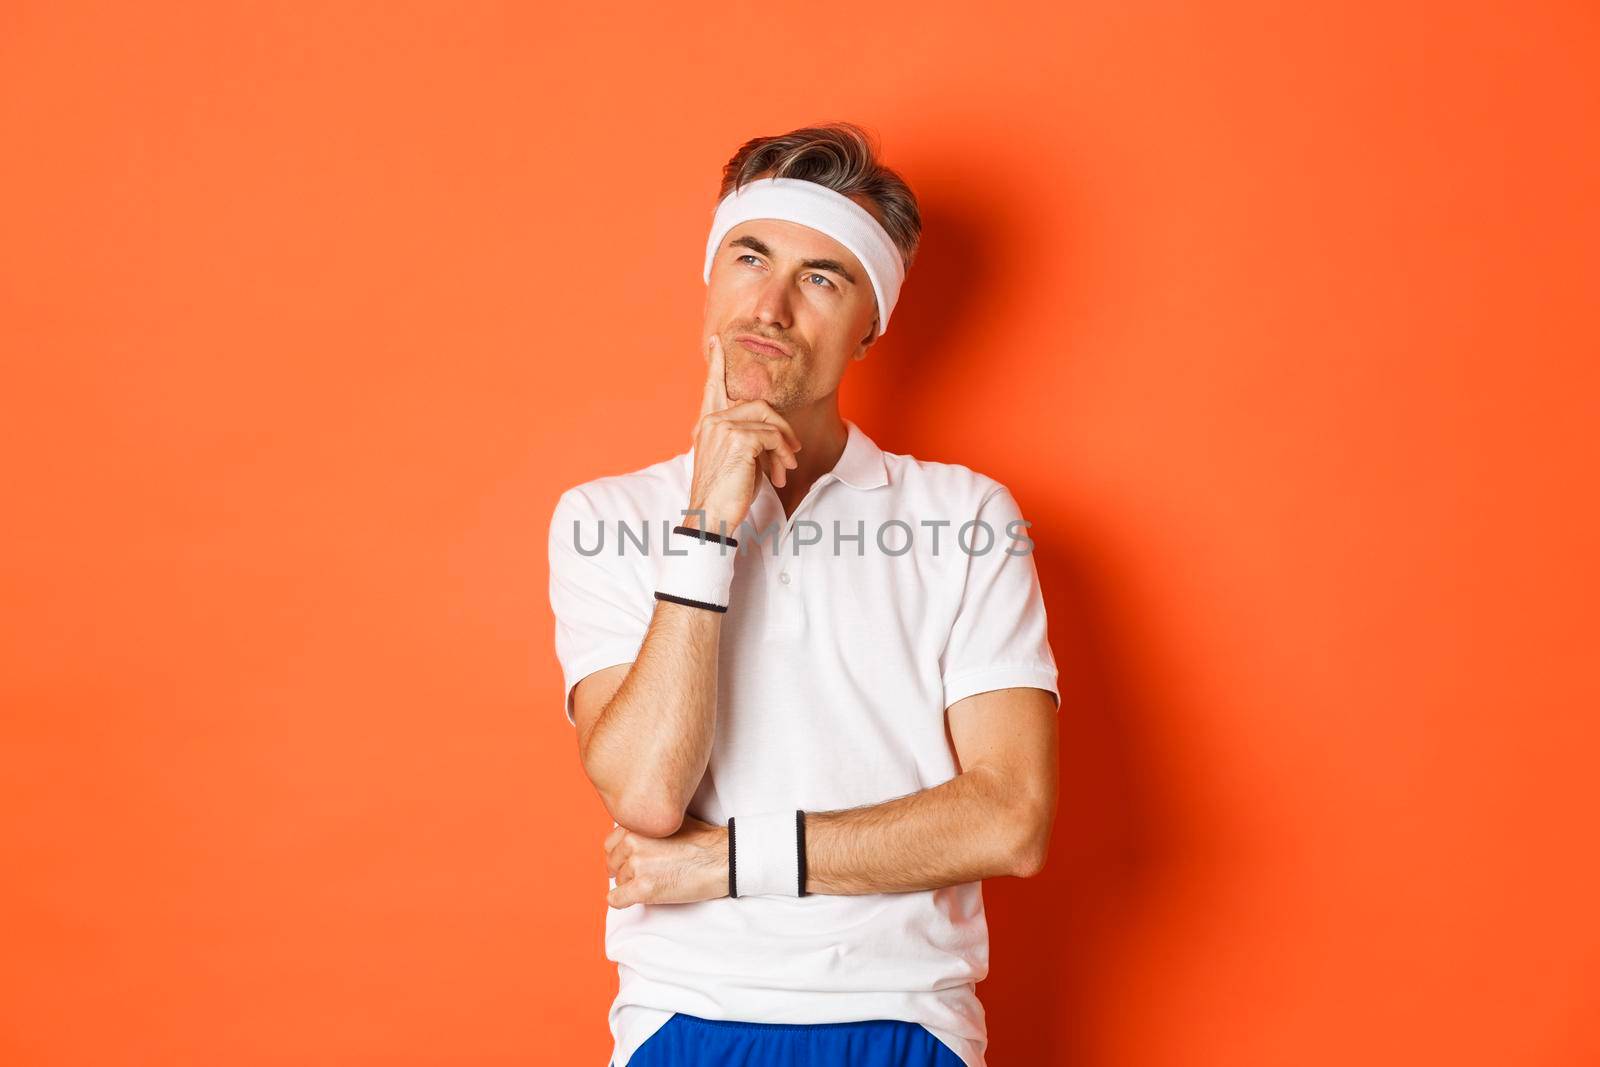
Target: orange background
1279,323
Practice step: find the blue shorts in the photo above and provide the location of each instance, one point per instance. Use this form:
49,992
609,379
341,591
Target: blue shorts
690,1041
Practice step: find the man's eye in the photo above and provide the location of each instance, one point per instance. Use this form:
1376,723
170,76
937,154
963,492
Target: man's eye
828,282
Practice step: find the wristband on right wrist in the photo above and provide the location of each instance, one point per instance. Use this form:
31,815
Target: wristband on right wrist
696,568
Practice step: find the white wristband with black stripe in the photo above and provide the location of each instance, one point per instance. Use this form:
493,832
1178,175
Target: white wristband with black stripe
696,568
769,849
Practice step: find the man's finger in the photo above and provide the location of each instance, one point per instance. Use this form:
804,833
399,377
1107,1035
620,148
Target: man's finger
629,889
761,411
771,452
715,395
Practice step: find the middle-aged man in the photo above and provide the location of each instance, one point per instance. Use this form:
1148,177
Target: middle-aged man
811,679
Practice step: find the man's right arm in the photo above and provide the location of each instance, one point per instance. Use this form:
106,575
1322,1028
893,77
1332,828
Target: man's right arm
645,729
641,680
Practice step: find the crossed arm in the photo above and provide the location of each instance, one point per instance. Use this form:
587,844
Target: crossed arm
993,818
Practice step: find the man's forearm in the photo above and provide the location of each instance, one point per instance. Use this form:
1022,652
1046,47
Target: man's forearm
975,826
652,741
972,827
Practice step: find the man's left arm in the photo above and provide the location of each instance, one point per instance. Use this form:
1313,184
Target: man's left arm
992,819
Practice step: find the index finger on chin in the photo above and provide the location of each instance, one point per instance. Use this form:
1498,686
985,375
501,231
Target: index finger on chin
715,395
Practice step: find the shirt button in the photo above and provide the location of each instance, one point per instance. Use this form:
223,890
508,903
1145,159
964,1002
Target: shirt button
783,576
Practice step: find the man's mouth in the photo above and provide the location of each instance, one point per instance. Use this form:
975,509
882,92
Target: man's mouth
770,349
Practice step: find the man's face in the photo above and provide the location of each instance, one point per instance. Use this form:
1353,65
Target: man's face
799,289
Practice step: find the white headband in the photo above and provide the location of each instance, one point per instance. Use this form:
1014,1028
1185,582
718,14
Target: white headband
824,210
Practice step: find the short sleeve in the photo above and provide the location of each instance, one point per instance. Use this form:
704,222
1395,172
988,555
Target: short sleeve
999,639
601,612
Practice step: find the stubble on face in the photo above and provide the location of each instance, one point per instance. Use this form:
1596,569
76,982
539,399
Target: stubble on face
780,382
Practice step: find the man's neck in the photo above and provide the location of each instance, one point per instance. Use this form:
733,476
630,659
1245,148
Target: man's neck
822,434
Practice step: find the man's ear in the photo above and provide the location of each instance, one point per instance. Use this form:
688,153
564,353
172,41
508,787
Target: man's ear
866,342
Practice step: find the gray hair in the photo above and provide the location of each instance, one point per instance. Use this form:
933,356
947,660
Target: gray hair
841,156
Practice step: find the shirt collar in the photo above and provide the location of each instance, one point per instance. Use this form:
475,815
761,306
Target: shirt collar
860,465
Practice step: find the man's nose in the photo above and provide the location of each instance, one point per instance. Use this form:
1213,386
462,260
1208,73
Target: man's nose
772,303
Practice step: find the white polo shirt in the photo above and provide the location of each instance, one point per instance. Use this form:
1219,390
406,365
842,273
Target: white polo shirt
834,672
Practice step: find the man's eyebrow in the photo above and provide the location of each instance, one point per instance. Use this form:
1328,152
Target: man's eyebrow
756,245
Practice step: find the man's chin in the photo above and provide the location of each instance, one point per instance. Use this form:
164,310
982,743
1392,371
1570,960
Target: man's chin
746,385
779,401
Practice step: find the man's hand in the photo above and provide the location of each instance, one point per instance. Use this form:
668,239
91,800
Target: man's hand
733,445
690,865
